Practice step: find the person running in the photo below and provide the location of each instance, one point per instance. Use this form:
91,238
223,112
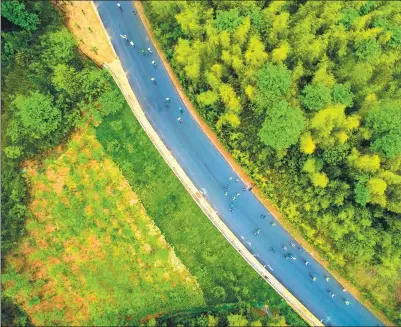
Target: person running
230,178
134,12
225,193
233,198
150,50
273,223
238,194
179,120
181,110
306,263
123,36
225,186
119,6
154,63
167,100
346,302
153,80
143,51
314,278
237,180
327,279
132,44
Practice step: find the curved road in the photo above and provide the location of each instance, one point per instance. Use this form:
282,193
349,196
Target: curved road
209,171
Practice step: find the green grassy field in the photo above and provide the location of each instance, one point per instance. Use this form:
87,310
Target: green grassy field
220,271
91,255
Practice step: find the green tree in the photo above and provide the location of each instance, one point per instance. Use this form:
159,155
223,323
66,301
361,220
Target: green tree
315,97
13,152
367,49
212,321
282,126
16,13
273,81
237,320
385,122
37,114
59,47
111,101
342,94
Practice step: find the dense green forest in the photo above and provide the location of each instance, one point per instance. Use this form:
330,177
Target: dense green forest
307,97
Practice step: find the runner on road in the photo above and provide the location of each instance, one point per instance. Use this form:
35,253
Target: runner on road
123,36
179,120
119,6
153,80
181,110
154,63
132,44
150,50
143,51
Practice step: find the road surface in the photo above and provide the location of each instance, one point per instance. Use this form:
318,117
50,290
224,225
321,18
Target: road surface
210,172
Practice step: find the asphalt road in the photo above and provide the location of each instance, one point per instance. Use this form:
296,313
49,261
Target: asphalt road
209,171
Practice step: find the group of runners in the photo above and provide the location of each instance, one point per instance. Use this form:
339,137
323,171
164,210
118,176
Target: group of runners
153,62
235,196
287,255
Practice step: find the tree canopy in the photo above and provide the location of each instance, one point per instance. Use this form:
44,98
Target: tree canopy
282,126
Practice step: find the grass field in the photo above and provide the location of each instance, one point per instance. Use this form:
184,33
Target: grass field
220,271
92,256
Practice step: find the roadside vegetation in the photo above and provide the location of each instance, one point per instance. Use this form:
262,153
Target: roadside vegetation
221,272
77,245
237,314
306,96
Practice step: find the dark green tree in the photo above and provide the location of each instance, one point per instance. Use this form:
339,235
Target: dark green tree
315,97
385,122
16,13
273,81
37,114
282,126
342,94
